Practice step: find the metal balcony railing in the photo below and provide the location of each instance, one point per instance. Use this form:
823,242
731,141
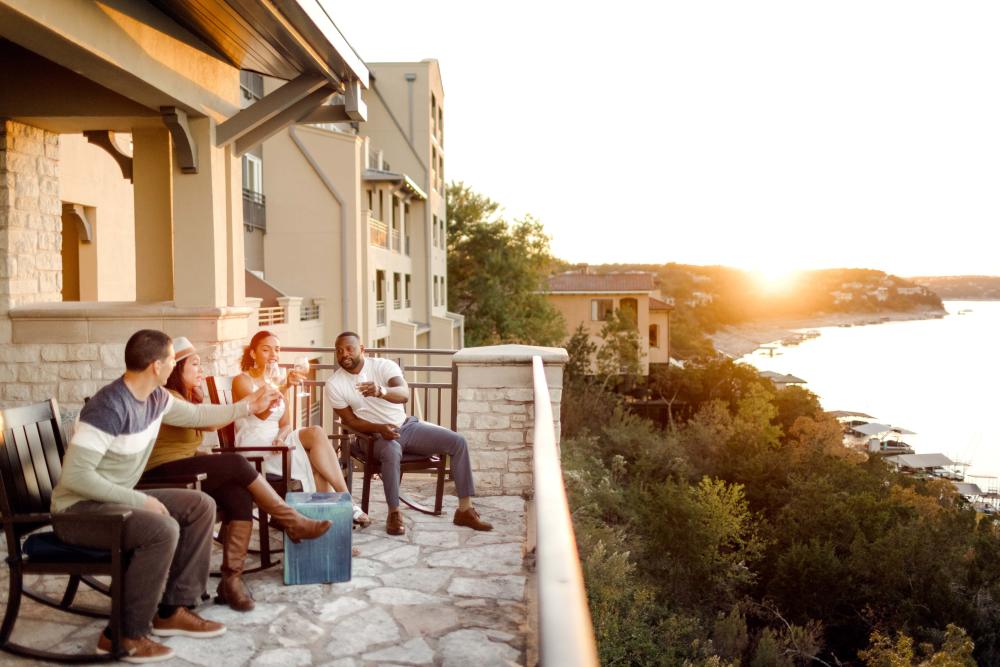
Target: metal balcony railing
254,210
309,313
378,233
396,243
380,313
268,316
430,375
397,304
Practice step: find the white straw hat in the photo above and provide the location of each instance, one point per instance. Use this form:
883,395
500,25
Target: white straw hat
182,348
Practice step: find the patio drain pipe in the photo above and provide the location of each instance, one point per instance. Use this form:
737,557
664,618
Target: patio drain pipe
345,296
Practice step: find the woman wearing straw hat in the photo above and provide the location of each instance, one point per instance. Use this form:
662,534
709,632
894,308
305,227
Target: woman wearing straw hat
231,480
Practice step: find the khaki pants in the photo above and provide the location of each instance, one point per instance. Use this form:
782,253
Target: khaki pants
167,556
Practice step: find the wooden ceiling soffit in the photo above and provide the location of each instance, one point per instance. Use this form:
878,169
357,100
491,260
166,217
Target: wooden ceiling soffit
185,150
105,139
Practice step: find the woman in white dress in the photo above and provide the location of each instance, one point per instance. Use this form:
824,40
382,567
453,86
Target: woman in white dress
314,461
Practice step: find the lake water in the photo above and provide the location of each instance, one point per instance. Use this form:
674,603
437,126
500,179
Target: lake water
936,377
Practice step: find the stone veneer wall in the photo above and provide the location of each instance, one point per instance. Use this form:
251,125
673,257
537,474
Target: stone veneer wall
30,219
30,257
496,412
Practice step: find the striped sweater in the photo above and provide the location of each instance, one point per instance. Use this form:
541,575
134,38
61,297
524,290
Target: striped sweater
113,439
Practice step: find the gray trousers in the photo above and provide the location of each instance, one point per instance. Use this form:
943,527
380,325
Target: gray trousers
417,437
167,556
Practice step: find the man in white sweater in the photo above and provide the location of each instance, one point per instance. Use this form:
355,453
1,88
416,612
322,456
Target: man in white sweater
168,535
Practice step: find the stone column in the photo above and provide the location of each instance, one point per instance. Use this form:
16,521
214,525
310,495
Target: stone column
30,244
496,412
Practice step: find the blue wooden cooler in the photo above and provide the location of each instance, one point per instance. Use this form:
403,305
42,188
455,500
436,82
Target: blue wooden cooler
328,558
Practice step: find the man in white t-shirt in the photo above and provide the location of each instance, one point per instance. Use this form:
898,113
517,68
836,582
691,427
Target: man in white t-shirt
368,394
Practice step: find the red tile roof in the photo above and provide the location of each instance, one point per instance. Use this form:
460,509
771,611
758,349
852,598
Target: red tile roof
606,282
656,304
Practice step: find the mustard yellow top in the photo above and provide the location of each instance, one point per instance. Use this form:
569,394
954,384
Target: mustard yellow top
174,442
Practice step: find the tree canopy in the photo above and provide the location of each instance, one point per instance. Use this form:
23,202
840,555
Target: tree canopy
497,272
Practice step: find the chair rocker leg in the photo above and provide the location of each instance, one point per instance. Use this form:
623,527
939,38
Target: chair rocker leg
63,605
7,628
95,584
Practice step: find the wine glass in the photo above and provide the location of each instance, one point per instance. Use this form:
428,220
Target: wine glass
273,375
302,367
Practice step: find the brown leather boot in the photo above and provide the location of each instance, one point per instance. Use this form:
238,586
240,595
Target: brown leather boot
235,536
296,526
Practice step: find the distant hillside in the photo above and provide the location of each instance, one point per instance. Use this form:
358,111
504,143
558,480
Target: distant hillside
962,287
708,297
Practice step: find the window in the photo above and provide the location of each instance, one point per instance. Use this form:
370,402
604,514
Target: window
371,199
435,231
253,173
600,309
406,291
397,291
654,335
630,310
441,235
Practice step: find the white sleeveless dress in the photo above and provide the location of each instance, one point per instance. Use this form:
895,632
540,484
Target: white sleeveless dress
252,431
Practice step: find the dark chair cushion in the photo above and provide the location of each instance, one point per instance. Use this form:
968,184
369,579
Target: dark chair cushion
294,486
47,548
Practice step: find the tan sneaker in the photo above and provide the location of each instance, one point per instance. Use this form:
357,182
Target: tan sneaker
139,651
394,523
186,623
470,519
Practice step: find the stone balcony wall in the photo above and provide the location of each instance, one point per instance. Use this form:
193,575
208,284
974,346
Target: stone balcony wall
70,350
496,412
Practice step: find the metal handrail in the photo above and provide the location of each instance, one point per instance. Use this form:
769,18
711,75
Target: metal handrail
436,401
565,629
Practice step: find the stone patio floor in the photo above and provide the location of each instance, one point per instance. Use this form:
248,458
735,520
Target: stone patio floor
438,595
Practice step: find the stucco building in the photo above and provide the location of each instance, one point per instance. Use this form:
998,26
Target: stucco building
590,299
356,213
121,203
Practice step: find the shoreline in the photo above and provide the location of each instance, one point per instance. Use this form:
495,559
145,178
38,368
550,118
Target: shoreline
737,341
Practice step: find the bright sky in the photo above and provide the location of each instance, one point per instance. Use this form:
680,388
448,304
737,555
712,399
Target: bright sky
765,134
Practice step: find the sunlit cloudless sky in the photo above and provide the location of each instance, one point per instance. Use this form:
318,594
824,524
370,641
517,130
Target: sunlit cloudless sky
766,135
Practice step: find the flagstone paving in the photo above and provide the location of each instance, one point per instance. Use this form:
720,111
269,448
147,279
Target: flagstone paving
438,595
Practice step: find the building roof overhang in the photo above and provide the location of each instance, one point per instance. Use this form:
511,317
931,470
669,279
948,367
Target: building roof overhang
405,183
141,64
282,38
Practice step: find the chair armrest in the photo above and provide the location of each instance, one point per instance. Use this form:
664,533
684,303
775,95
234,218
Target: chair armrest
236,450
190,481
96,518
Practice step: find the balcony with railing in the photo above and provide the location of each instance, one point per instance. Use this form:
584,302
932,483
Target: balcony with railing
294,320
475,597
380,313
440,593
254,210
397,245
378,233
